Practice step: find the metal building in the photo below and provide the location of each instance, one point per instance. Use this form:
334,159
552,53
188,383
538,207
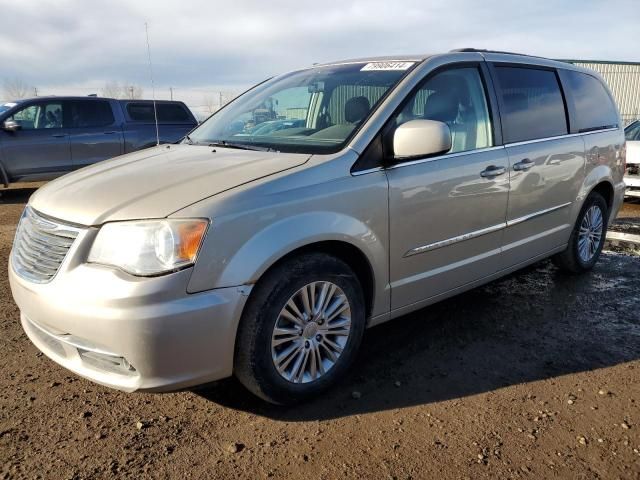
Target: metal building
624,81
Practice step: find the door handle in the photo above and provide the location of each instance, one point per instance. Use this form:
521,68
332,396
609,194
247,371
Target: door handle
524,165
109,133
492,171
59,135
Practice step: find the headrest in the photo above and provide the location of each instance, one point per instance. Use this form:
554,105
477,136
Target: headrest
441,106
356,109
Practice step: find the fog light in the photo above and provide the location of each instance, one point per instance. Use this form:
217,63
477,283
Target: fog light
105,362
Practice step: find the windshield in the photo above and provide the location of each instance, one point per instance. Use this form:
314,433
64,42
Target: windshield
309,111
6,106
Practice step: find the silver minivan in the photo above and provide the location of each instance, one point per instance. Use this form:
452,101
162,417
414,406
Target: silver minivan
379,186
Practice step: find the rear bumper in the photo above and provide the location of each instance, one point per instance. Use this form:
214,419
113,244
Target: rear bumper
632,182
131,333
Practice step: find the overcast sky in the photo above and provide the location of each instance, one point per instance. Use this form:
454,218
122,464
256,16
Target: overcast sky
197,43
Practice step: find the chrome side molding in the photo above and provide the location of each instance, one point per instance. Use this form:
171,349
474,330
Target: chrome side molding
539,213
483,231
452,240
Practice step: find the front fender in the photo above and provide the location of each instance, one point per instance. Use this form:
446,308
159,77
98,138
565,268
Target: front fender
267,246
257,225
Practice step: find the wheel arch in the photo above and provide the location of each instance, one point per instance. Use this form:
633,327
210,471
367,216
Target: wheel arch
349,254
235,261
605,188
599,179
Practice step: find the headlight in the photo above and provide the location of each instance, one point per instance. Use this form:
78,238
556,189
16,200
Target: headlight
149,247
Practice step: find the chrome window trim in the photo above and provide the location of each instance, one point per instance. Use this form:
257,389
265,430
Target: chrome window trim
368,170
443,157
483,231
539,213
559,137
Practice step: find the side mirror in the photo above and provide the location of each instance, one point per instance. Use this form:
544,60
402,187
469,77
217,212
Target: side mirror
11,126
420,138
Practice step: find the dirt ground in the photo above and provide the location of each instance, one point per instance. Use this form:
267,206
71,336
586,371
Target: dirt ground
533,376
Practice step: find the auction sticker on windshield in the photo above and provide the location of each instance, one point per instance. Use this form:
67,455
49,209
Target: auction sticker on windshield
387,66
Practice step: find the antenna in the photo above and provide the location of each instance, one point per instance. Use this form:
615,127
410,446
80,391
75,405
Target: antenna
153,88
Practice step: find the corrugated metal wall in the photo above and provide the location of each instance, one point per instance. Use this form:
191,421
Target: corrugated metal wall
624,81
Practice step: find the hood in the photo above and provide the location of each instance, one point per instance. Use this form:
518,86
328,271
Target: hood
154,183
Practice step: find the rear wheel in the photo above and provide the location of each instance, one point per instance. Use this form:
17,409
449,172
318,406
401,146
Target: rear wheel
301,329
587,237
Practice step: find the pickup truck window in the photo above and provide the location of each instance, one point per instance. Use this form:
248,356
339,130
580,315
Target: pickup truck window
90,113
167,113
7,106
309,111
39,116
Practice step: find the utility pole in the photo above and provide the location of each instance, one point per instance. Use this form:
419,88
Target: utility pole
171,90
220,103
131,92
35,91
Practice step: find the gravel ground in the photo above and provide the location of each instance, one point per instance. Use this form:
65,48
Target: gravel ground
536,375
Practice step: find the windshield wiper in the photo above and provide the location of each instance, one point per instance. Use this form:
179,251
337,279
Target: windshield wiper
239,146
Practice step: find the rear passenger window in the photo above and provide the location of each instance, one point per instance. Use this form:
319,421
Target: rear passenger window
167,113
532,103
594,108
90,113
172,113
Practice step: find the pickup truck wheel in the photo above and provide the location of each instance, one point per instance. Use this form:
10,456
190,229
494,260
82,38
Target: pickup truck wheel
587,237
301,330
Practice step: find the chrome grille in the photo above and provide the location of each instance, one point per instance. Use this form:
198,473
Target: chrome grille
40,246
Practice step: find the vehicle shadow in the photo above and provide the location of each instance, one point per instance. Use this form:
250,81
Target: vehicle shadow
14,196
532,325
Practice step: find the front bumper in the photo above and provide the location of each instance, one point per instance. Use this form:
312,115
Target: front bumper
131,333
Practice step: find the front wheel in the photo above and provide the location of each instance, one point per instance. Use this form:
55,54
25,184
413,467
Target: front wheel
587,237
301,329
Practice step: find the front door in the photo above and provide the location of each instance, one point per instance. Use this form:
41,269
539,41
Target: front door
447,213
40,149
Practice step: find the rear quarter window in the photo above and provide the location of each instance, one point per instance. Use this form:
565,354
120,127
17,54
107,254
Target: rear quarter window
167,113
532,104
594,108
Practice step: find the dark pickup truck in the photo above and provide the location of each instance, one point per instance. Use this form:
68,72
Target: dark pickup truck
43,138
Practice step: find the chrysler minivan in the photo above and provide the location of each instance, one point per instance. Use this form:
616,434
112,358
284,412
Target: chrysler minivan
392,183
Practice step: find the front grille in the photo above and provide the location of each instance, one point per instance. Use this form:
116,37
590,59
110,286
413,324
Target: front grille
40,246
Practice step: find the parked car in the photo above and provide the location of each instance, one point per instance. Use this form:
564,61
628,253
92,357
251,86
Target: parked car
632,174
45,137
266,256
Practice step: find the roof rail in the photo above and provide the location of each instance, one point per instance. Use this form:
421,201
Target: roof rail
484,50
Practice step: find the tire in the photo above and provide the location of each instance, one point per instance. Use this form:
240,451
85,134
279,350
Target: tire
255,353
571,260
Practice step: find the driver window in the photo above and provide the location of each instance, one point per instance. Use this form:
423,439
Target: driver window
40,116
455,97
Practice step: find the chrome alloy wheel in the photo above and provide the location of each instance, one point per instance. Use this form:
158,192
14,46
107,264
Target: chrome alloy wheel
590,234
311,332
